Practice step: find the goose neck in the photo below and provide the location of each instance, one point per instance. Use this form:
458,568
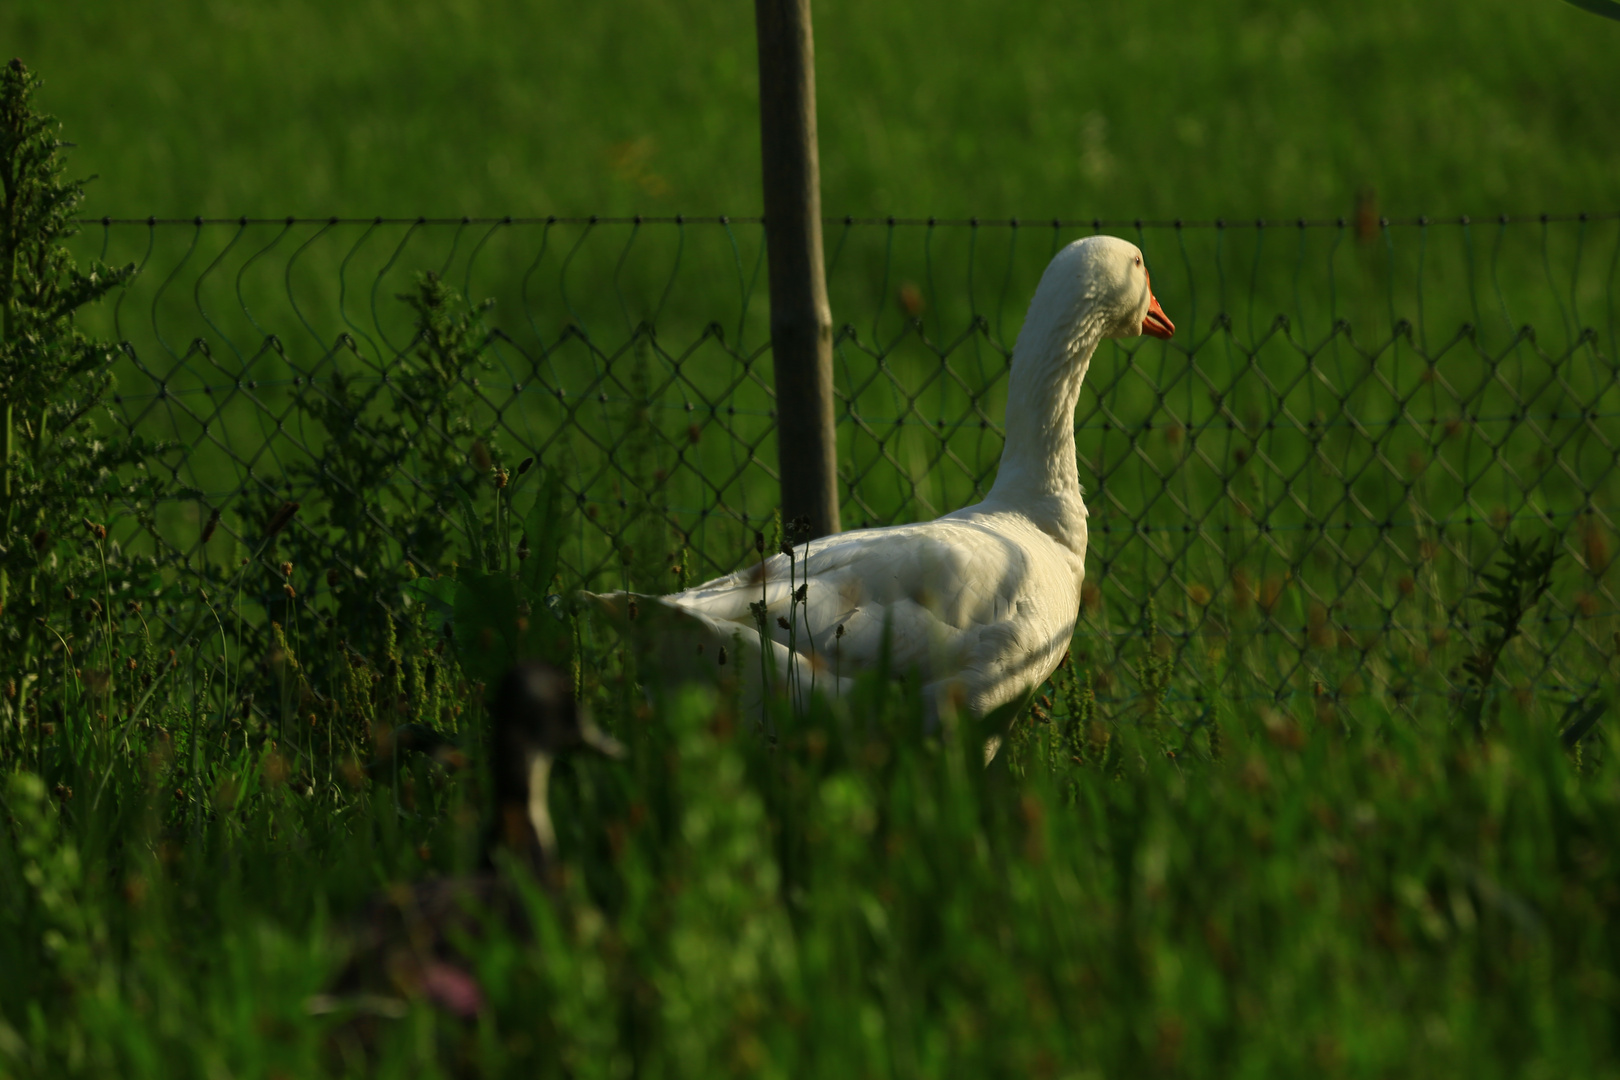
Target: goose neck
1038,463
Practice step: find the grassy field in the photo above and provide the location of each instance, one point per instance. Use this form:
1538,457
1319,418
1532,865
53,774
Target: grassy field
1338,891
1264,822
1079,110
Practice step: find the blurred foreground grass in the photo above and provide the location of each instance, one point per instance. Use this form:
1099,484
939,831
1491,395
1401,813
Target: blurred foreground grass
1335,890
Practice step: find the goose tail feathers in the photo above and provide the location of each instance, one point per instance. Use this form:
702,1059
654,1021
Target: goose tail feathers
688,645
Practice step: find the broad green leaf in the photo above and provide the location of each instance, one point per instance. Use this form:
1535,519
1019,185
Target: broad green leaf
487,636
500,618
1609,9
473,525
544,529
438,595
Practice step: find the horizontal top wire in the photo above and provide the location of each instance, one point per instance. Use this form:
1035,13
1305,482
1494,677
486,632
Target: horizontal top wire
1422,221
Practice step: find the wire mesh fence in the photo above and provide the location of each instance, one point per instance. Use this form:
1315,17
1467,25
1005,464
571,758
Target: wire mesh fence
1298,494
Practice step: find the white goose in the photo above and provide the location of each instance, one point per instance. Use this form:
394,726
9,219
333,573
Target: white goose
983,601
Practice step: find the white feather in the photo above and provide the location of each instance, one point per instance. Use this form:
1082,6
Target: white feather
983,601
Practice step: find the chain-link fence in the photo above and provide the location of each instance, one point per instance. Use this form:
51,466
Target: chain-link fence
1296,494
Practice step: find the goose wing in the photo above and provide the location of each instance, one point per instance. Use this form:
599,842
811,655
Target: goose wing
962,598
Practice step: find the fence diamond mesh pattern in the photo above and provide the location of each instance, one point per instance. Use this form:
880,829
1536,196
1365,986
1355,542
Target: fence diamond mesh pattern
1297,494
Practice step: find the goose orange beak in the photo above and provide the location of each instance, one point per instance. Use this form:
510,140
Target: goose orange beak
1157,324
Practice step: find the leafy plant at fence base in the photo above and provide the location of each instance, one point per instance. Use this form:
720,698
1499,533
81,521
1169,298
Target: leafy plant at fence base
401,484
1522,578
60,573
499,615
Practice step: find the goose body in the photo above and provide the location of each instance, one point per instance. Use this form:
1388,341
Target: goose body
981,602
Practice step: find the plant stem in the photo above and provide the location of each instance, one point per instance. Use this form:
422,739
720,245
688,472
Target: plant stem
5,470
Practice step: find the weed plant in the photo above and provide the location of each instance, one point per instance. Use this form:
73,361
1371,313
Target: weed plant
70,598
401,471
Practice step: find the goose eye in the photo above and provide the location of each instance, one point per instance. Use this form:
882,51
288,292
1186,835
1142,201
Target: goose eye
1139,260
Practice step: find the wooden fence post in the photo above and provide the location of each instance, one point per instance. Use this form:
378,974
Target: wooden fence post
801,320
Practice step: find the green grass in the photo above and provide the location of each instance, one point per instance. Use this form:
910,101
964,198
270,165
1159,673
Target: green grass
1338,891
1078,110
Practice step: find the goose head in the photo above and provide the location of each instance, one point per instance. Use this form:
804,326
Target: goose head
1099,287
1095,288
535,720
